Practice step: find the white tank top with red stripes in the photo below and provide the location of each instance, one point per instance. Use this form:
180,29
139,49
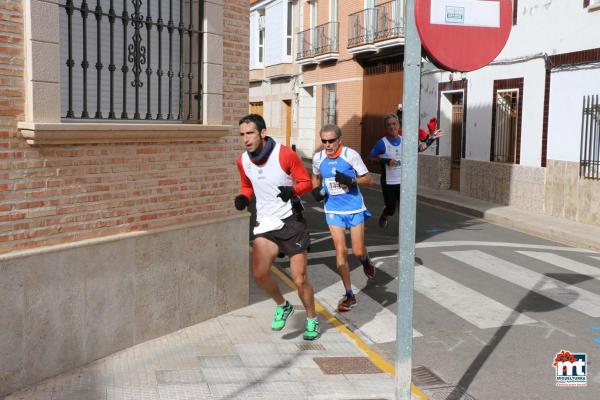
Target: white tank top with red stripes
265,178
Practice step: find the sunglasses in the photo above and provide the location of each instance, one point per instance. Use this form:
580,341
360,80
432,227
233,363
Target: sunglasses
330,141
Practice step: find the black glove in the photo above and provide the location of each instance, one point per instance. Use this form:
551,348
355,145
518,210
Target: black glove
385,161
318,194
344,179
285,193
241,202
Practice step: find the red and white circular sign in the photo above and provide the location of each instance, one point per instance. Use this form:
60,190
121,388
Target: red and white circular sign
463,35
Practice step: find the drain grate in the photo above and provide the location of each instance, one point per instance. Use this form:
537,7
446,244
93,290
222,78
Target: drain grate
346,365
449,393
310,346
424,378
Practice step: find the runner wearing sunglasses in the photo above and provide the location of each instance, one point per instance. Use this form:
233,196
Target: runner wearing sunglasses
337,172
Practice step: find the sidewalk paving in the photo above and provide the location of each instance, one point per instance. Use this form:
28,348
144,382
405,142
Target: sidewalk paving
551,228
233,356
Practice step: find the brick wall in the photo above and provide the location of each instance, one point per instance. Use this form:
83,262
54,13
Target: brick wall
11,67
59,194
349,112
235,60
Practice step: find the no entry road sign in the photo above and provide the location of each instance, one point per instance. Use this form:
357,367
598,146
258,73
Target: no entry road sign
463,35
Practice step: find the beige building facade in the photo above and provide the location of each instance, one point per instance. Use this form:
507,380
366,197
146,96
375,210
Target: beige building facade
273,78
351,54
345,68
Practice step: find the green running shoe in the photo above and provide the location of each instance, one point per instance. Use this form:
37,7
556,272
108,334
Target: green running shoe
312,329
281,315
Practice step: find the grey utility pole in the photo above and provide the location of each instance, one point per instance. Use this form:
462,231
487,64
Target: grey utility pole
408,204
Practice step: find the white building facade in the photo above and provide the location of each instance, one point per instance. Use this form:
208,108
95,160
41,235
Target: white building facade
524,131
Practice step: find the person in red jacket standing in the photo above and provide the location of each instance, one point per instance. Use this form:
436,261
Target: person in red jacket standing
275,176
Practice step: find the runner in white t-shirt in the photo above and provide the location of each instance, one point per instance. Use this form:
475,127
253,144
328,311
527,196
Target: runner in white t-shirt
337,173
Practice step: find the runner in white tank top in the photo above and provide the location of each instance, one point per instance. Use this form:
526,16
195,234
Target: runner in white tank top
274,175
388,152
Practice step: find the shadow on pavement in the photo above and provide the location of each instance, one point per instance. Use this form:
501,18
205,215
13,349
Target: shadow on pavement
534,301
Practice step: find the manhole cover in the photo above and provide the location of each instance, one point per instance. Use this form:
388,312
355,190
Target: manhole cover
424,378
449,393
310,346
346,365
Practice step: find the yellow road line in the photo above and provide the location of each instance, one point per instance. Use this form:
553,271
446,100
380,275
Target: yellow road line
375,358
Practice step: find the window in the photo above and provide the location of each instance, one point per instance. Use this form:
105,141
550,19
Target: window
289,29
261,38
333,10
131,61
589,160
328,115
314,21
505,144
507,111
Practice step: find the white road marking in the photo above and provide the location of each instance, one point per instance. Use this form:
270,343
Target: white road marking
320,233
579,299
322,239
468,304
563,262
447,346
455,243
550,329
319,209
372,320
370,249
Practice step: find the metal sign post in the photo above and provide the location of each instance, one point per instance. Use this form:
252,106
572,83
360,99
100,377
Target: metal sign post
408,204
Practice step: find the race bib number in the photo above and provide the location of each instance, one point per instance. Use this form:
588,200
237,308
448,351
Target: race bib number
334,188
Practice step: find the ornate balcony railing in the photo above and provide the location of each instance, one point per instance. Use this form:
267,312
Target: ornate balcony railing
317,41
361,27
305,47
389,20
326,38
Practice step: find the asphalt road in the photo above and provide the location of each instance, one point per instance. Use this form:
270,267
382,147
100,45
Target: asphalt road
492,306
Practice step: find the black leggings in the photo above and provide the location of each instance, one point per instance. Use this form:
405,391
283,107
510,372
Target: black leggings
391,197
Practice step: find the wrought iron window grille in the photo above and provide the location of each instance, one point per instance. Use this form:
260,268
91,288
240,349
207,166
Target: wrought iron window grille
146,66
589,160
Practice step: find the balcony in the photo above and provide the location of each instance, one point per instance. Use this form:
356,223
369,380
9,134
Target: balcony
376,28
318,44
256,75
326,44
361,29
390,27
280,71
305,54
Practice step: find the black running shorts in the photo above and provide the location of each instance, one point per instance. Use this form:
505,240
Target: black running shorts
293,238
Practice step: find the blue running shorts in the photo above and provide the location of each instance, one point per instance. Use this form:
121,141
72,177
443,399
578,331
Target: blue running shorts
347,220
